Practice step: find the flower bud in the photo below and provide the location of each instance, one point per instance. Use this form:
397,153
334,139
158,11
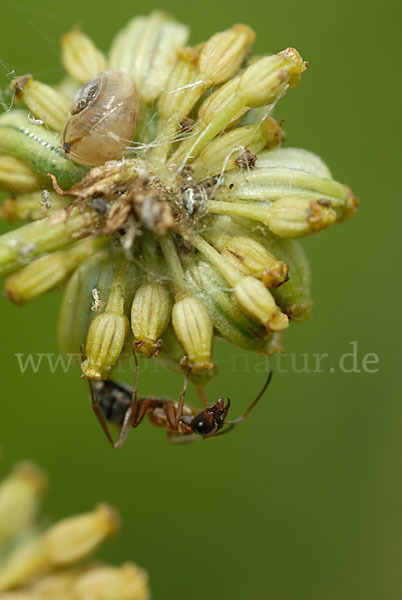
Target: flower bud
76,311
106,336
16,175
127,582
24,244
20,494
46,272
31,207
55,586
193,327
263,82
296,65
256,301
214,104
183,89
45,103
26,561
268,77
269,183
147,49
251,258
74,538
80,57
230,150
351,206
211,288
272,133
294,159
171,357
150,314
223,54
108,331
290,216
293,296
297,217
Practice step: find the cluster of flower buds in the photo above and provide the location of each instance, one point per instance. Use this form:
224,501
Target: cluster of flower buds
37,564
159,192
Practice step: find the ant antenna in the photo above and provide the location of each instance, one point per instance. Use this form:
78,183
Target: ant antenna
250,408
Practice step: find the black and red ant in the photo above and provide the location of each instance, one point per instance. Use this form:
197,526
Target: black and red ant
119,404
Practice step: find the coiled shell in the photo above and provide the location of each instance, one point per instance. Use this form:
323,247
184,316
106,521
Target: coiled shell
103,119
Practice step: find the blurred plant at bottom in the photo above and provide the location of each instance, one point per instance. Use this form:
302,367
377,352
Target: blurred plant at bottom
51,564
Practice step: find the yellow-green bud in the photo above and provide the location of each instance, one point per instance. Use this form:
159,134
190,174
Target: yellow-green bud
20,494
150,314
232,324
267,78
127,582
293,297
251,258
351,206
66,542
183,89
214,104
106,336
295,160
223,54
297,217
80,57
288,217
26,561
25,243
193,327
263,82
236,148
57,585
74,538
108,331
32,206
171,356
46,272
16,175
45,102
147,49
256,301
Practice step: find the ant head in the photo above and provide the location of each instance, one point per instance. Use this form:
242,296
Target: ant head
210,420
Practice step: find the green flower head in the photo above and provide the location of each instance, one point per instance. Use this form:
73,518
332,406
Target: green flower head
159,193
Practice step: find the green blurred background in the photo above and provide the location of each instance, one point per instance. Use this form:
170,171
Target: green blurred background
304,500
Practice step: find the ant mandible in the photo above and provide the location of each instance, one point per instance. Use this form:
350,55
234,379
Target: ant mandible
119,404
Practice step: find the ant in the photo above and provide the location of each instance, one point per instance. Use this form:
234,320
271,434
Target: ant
119,404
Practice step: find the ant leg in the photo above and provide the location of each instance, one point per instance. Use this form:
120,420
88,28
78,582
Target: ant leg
130,416
202,394
135,418
179,409
250,408
184,439
141,409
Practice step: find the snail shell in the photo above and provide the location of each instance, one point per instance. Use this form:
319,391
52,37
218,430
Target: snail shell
103,119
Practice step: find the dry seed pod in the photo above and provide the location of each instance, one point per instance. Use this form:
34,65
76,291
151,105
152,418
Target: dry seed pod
103,119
